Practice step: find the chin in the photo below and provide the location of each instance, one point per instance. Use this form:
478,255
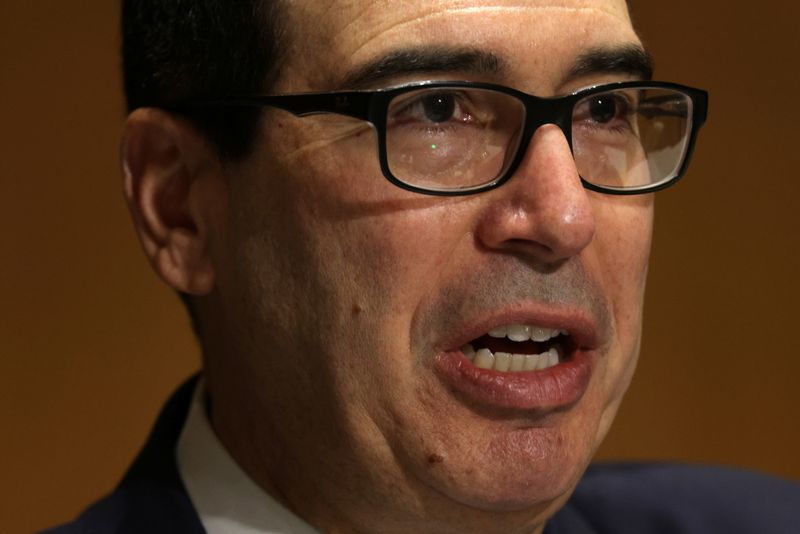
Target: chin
528,469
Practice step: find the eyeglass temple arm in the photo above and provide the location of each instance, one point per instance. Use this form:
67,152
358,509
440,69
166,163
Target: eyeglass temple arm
351,103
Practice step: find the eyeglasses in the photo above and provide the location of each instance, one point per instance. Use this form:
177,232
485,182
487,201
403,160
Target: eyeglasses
458,138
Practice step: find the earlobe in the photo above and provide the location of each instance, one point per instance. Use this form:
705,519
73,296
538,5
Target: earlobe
163,159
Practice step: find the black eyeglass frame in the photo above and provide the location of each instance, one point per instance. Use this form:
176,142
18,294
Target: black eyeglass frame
372,106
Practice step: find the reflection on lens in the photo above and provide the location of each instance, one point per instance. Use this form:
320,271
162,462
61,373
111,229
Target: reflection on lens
466,143
640,144
458,138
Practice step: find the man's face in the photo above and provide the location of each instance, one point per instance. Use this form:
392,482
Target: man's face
346,301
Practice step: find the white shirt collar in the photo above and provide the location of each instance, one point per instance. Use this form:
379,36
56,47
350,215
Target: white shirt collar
226,499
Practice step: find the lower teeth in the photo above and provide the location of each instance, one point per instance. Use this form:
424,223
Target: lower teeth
506,362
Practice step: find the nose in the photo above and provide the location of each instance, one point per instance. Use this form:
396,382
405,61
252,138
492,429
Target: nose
543,211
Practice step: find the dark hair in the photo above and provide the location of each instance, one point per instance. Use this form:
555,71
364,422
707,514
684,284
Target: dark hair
180,50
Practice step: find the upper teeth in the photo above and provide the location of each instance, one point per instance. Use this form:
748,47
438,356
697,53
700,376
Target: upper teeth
522,332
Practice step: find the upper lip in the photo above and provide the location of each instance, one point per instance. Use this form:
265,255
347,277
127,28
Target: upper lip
584,330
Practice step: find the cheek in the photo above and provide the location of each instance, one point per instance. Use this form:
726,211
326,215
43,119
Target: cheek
622,250
347,248
622,247
386,266
378,242
619,256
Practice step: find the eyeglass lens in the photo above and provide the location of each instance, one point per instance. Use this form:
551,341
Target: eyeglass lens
458,138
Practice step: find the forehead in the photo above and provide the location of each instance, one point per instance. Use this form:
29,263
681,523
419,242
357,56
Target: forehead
330,37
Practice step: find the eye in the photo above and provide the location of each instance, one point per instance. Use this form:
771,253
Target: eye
613,111
438,107
604,108
432,108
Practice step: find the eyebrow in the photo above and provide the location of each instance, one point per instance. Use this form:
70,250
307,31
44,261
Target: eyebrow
629,59
421,60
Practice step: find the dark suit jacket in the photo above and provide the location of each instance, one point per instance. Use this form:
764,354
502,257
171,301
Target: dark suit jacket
611,499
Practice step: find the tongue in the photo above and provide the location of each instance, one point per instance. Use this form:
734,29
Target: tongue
506,345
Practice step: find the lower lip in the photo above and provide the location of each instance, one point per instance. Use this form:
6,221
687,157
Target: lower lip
545,390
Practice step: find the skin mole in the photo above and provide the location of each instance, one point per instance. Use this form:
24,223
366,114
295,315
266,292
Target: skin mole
434,458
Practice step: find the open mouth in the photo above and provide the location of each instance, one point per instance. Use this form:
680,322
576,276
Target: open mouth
515,348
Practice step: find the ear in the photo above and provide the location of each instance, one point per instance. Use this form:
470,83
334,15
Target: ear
164,162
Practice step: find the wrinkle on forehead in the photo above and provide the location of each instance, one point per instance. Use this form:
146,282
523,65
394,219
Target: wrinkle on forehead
398,25
349,29
382,15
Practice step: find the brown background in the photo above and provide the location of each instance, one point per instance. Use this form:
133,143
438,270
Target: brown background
91,343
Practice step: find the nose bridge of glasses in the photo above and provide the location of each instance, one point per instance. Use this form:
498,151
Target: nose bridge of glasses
540,111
